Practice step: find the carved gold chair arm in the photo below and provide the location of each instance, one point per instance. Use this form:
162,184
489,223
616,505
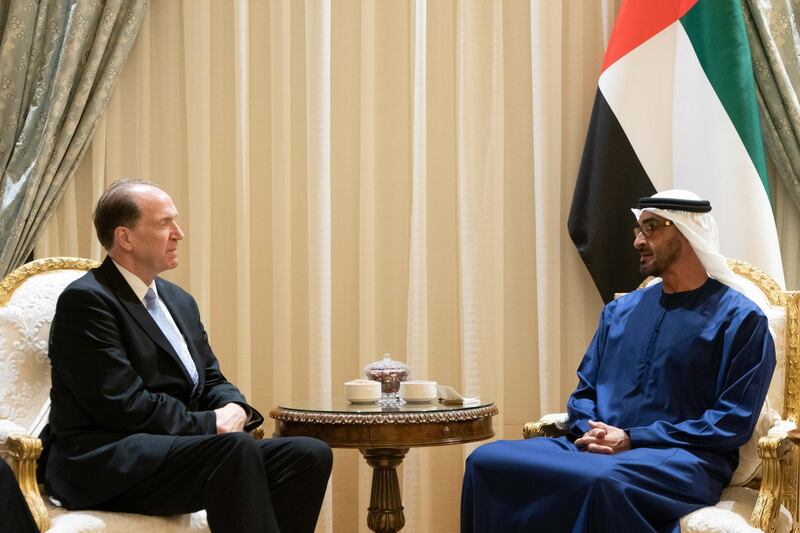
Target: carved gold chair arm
24,451
550,425
257,433
774,451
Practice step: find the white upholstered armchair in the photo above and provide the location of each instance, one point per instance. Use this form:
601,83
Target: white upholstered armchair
763,493
27,302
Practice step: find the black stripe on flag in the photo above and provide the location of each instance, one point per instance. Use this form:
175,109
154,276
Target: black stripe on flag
610,181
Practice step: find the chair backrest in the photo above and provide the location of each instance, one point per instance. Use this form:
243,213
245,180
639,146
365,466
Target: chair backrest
28,298
784,391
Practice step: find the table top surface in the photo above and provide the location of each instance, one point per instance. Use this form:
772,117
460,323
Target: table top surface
344,407
343,424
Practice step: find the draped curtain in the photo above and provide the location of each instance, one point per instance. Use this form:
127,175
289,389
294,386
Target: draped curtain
358,177
59,62
774,36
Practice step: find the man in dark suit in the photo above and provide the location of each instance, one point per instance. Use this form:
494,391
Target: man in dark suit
142,418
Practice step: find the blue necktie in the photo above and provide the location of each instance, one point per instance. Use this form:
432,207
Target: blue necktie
172,333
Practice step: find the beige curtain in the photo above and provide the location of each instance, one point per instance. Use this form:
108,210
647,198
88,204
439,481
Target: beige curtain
358,177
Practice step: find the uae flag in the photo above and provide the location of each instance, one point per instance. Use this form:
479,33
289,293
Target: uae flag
675,109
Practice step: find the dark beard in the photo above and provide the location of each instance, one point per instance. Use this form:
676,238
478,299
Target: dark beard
663,260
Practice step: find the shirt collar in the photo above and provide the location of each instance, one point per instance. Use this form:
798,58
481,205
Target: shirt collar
137,285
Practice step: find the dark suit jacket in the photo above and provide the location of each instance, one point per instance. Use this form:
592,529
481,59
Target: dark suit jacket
120,394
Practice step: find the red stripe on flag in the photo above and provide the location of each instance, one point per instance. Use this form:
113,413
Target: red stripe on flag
639,20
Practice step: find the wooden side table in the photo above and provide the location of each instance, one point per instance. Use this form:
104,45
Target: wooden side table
384,435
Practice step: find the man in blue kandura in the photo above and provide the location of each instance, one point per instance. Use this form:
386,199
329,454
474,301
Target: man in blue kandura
671,386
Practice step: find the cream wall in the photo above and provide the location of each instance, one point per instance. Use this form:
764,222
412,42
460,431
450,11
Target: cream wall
357,177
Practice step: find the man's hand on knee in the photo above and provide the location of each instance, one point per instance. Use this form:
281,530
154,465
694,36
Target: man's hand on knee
602,438
230,418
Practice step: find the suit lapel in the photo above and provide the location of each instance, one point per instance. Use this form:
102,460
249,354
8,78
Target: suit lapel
137,310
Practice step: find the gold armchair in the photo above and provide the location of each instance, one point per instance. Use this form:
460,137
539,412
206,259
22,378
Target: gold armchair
27,303
764,498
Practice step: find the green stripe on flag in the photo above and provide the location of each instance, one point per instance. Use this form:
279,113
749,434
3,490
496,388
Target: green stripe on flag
717,32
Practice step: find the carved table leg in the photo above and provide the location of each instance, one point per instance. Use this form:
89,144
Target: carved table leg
385,505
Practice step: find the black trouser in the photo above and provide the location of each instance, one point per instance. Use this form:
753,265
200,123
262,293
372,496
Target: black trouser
14,511
245,485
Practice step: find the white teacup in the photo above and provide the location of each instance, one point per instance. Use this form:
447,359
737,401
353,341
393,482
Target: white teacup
362,390
418,391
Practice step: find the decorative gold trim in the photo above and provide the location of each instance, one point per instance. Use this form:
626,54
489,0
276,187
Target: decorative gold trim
772,451
761,280
791,303
258,433
543,428
25,451
18,276
292,415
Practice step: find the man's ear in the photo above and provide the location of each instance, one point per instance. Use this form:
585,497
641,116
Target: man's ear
122,236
